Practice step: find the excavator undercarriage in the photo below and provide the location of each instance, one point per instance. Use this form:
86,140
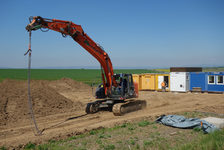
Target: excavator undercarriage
118,108
122,99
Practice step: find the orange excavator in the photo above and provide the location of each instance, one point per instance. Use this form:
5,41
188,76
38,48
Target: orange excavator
118,92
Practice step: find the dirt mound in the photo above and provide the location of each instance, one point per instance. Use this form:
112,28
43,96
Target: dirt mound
45,96
68,84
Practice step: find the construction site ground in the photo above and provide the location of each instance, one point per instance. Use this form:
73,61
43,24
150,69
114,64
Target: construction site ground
59,108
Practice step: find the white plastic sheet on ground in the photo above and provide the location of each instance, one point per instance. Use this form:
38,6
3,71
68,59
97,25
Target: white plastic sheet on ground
178,121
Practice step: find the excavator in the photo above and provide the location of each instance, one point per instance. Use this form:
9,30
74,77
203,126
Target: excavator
118,93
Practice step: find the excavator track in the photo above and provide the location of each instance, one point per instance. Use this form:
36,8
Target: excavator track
120,109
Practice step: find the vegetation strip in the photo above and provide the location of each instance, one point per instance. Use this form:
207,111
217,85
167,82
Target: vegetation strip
144,134
87,76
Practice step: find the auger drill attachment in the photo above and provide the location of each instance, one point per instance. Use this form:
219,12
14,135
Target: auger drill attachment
35,23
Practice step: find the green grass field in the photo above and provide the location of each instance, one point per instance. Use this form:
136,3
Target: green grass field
84,75
213,69
87,76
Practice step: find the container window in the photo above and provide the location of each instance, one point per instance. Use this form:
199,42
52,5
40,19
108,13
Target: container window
220,79
211,79
187,77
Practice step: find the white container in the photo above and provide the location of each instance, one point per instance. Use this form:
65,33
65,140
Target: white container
179,81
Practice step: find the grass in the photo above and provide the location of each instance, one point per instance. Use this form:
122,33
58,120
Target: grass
3,148
144,134
163,70
213,69
208,142
87,76
144,123
30,146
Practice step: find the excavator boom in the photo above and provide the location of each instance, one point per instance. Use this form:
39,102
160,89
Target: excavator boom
77,33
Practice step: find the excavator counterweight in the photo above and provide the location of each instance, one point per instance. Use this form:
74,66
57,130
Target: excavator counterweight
117,90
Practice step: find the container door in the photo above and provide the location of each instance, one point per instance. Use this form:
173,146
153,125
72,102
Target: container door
187,84
172,81
177,81
147,82
160,80
166,80
152,82
182,82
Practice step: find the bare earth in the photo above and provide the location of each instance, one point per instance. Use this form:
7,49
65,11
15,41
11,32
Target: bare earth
59,109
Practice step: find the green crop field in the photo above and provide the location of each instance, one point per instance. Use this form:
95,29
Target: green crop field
213,69
84,75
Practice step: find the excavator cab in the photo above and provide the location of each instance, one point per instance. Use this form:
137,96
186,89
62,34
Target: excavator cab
125,88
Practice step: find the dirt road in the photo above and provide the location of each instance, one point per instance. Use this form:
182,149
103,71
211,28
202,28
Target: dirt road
59,109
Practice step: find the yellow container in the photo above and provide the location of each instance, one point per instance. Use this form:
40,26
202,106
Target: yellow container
160,78
136,79
147,82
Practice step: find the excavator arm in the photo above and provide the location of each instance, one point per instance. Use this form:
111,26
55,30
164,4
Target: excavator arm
77,33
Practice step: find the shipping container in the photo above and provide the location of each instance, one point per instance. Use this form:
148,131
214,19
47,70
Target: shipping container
162,78
207,81
179,81
147,82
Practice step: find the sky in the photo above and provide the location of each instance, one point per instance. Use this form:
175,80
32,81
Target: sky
134,33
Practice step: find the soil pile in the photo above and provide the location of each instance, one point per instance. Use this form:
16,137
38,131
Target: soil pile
45,96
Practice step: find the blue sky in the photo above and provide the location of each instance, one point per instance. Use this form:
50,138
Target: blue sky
143,33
